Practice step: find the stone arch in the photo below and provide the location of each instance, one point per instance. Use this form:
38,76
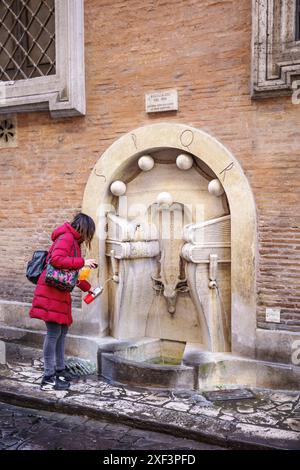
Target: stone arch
116,162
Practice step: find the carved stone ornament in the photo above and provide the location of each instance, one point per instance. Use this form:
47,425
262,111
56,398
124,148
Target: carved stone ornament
132,250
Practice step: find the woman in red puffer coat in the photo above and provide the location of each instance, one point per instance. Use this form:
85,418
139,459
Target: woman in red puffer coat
53,305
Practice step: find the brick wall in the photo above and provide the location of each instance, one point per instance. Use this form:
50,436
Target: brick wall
202,48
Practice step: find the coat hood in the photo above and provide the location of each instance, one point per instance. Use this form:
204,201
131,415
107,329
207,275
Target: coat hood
65,228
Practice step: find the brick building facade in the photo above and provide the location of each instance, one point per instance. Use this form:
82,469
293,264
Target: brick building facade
202,49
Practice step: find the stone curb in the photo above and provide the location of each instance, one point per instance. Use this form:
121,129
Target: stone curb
190,427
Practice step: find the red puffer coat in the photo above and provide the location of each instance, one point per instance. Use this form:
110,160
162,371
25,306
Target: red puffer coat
50,303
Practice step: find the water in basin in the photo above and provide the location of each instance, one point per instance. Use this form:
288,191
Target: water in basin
164,361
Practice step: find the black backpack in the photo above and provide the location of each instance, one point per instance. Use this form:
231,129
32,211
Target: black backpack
36,265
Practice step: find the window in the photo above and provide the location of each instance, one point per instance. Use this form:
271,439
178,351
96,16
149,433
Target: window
42,56
275,47
27,39
297,38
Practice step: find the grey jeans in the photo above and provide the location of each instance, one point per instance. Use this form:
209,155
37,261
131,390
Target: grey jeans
54,348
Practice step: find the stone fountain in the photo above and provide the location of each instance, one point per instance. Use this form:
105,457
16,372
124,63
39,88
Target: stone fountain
177,247
177,238
168,255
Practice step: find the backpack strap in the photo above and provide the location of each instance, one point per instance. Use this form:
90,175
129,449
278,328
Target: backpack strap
48,259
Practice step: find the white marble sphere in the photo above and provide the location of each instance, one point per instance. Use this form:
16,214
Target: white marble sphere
118,188
184,161
146,163
164,199
215,188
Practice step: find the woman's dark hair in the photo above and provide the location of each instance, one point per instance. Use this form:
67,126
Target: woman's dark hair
84,225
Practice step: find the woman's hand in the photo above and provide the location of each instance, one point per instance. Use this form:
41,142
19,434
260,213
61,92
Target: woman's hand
91,263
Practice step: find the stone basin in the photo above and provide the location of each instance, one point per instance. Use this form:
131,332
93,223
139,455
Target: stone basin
147,363
159,363
222,370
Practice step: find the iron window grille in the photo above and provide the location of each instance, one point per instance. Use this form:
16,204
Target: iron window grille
27,39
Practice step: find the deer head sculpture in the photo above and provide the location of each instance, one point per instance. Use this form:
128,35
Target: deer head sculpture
170,283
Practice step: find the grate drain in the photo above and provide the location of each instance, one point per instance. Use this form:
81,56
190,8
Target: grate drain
229,394
80,367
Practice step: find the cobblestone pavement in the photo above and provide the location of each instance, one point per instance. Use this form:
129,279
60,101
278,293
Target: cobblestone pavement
26,429
270,419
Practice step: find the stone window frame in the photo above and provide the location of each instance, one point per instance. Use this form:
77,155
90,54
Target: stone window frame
275,51
62,93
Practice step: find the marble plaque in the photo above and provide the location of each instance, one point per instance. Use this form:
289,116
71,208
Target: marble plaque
160,101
